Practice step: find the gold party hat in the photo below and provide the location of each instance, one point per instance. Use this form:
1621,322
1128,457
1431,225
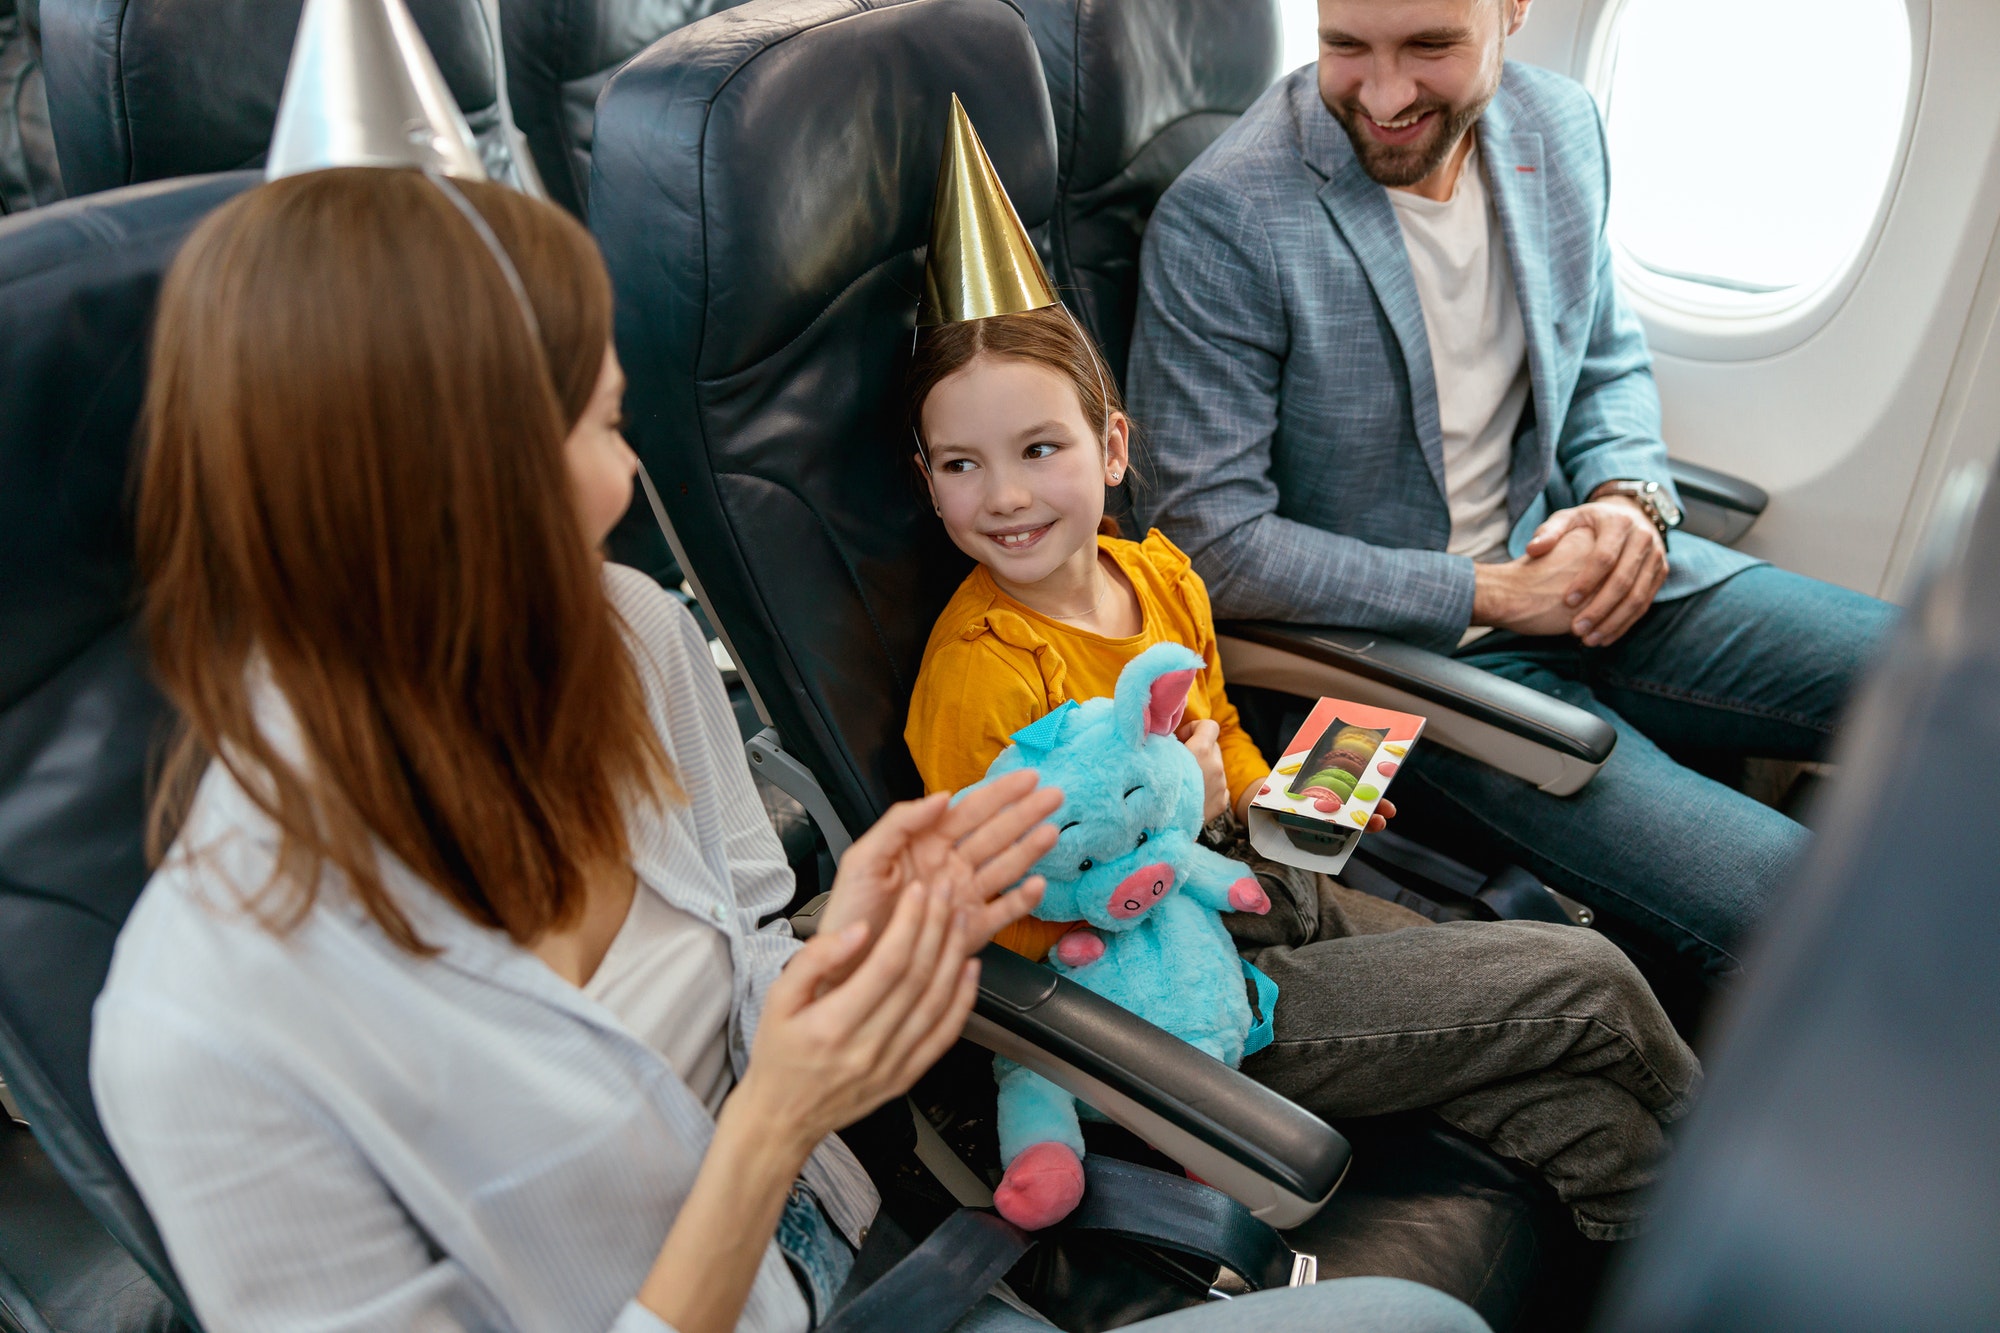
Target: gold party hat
981,262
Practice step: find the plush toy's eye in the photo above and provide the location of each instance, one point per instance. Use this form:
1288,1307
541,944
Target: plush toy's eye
1084,867
1143,835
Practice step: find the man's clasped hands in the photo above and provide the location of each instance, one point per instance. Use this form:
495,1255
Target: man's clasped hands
1590,571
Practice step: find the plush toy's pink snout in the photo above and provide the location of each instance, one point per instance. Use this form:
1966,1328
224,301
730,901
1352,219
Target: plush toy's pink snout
1141,889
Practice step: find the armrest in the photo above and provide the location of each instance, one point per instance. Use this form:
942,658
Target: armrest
1714,504
1273,1157
1542,740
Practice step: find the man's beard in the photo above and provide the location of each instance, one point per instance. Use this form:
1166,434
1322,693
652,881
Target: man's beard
1402,165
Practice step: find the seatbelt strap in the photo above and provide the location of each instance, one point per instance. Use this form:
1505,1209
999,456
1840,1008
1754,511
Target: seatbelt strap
936,1283
933,1286
1149,1207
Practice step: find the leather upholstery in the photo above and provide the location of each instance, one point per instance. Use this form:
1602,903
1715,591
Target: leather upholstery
144,89
1139,88
559,55
1842,1173
761,187
28,172
78,717
59,1269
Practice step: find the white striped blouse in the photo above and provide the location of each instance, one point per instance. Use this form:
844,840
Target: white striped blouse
335,1134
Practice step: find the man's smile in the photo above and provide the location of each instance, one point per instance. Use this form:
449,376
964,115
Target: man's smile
1400,131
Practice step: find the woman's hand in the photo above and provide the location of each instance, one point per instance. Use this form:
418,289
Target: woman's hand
974,851
839,1037
828,1051
1204,742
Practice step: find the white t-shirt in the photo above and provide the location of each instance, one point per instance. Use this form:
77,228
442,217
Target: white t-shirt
667,977
1479,351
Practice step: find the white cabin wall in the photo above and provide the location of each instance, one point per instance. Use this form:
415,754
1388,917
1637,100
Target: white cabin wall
1853,428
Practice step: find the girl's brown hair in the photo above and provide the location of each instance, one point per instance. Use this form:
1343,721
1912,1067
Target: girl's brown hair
355,493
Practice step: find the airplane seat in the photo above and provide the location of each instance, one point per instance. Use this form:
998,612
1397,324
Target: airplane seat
79,723
29,176
559,54
139,91
761,187
1841,1173
1138,89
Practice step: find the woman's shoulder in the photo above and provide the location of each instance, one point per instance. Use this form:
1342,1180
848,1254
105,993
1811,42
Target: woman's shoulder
650,611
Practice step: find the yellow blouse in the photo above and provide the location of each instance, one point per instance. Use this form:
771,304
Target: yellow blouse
992,666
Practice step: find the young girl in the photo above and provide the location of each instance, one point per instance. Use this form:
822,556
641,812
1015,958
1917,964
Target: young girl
1021,434
1541,1039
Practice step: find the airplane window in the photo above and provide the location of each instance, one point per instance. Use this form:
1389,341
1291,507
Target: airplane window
1299,27
1751,141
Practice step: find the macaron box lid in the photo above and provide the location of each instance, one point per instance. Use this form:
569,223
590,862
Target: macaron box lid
1313,808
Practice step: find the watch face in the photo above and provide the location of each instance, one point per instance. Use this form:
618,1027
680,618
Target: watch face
1670,513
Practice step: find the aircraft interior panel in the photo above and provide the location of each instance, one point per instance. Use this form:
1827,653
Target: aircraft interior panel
831,243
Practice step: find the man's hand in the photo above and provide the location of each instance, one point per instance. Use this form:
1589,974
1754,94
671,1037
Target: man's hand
1204,742
1626,565
1527,595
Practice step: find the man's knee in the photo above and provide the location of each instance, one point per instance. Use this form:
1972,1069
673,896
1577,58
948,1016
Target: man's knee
1585,970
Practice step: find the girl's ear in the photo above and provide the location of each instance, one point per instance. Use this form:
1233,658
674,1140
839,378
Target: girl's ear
930,487
1117,449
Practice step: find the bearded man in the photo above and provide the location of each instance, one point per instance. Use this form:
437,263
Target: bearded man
1387,382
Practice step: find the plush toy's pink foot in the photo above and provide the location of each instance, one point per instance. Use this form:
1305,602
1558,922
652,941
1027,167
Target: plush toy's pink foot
1080,947
1247,895
1041,1187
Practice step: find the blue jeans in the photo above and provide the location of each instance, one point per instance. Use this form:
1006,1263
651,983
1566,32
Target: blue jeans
1761,664
1348,1304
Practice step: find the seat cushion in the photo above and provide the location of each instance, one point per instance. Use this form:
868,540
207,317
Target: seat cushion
57,1265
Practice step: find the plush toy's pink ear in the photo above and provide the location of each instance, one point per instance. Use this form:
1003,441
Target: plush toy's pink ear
1168,702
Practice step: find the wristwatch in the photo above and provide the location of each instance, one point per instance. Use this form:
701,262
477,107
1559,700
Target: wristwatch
1652,497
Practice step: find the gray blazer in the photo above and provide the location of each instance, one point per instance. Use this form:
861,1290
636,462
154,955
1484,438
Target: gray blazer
1282,380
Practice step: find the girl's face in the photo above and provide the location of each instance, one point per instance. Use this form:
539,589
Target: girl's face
601,464
1016,472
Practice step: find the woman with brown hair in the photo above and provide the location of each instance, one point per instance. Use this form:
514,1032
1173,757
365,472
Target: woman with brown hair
449,1005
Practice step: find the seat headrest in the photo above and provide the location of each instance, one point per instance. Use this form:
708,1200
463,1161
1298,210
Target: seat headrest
1139,88
762,186
139,92
559,54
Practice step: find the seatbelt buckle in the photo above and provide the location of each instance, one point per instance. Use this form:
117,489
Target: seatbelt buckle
1305,1269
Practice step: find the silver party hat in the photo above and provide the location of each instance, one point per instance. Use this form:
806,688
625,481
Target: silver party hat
364,91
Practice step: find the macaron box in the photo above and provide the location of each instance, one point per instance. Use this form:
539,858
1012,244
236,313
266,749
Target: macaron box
1313,808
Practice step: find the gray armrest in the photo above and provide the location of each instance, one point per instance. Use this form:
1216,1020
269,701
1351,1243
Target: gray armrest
1714,504
1275,1158
1517,730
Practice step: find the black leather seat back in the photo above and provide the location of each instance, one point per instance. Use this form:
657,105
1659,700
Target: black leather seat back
144,89
1139,89
1842,1172
79,720
762,189
560,53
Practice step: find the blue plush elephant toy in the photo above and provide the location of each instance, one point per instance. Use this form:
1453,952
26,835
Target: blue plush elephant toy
1127,864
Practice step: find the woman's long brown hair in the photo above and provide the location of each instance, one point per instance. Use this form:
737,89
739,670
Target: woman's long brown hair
354,493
